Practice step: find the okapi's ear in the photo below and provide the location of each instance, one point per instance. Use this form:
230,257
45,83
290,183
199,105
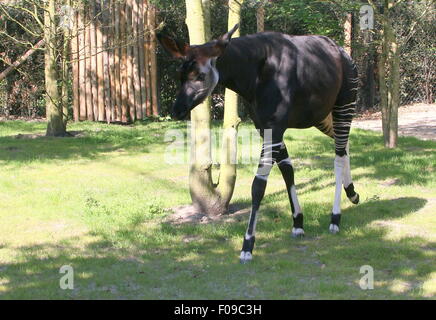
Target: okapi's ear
222,42
227,36
175,49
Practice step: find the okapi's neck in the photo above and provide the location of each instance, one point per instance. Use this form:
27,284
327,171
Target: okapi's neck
238,67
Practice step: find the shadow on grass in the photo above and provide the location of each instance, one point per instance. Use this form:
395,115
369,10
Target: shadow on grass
411,163
201,262
92,141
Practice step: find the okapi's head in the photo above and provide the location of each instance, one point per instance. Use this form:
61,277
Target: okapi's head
198,74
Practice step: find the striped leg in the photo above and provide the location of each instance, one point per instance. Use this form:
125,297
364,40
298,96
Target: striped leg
266,162
285,166
347,181
342,116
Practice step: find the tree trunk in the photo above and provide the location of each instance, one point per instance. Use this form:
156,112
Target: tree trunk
203,194
228,158
389,78
206,197
55,126
348,31
394,90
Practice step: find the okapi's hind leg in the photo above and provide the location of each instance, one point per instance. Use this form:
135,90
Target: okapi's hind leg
348,181
326,127
342,115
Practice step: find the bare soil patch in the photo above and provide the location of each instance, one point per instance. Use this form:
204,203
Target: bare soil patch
418,120
189,214
70,134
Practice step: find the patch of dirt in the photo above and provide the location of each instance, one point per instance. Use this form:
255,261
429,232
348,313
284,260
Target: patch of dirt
70,134
189,214
390,182
418,120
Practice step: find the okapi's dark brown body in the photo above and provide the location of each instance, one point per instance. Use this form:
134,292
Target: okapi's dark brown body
295,80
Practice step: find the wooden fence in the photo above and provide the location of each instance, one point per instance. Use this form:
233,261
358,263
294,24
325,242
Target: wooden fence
113,51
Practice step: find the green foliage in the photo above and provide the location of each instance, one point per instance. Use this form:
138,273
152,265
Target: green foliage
26,87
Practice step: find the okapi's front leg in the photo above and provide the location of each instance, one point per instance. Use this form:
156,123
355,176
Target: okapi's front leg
285,166
266,162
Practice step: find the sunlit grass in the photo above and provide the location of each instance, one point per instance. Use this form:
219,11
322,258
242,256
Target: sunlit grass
97,202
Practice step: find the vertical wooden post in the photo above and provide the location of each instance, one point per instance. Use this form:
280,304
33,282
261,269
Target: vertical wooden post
123,68
111,58
153,61
75,67
88,53
117,62
106,24
82,63
136,64
141,48
147,60
93,42
100,62
128,39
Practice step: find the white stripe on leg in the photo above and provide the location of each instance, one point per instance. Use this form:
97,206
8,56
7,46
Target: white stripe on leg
339,171
347,169
295,202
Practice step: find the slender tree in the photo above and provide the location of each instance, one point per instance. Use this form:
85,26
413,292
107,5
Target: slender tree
231,122
390,48
210,198
56,125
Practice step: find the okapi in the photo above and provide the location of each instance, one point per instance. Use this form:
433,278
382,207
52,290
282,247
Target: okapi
289,82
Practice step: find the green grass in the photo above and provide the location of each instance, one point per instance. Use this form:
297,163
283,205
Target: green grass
98,201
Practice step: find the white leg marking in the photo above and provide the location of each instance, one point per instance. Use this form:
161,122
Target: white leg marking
297,232
347,169
333,228
245,256
294,198
339,170
287,160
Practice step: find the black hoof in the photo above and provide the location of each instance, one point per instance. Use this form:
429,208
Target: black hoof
335,221
355,199
352,195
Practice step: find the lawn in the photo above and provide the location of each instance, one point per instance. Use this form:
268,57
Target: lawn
99,201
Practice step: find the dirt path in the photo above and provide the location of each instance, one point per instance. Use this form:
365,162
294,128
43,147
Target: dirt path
417,120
